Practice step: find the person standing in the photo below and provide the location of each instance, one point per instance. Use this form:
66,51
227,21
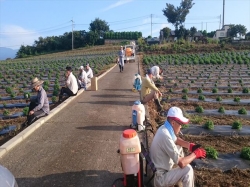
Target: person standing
71,88
89,73
166,150
39,106
82,78
149,91
157,72
121,59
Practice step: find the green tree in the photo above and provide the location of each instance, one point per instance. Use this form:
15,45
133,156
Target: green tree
177,15
99,26
193,30
236,30
211,34
166,32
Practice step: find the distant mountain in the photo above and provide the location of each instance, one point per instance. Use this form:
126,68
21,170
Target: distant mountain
7,53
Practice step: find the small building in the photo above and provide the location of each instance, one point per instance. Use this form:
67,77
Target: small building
222,33
198,35
152,41
172,37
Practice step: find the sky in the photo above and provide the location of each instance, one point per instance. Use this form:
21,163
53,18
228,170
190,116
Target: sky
24,21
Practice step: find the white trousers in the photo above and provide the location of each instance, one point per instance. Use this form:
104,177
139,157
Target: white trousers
172,177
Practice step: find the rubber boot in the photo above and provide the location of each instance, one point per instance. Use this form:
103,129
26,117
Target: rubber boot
158,105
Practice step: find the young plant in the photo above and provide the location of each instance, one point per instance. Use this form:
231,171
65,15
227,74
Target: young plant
6,112
245,90
26,111
54,98
185,97
229,90
245,153
218,98
214,90
237,99
199,90
26,95
201,97
185,90
209,125
171,90
199,109
221,109
211,152
237,125
242,111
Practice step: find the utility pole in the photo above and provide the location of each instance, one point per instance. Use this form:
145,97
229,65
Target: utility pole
220,22
206,26
223,13
72,35
151,26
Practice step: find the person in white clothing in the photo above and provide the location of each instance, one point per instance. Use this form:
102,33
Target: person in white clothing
157,71
121,59
166,151
71,88
89,73
82,78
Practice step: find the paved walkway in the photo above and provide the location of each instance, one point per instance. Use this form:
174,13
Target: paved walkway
77,146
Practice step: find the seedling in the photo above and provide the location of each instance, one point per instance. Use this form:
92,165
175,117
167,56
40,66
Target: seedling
245,153
214,90
25,111
237,99
237,125
185,126
185,90
221,109
6,112
199,109
199,90
218,98
211,152
209,125
201,97
54,98
242,111
26,95
230,90
185,97
245,90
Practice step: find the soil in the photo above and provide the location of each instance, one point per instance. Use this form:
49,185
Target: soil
207,177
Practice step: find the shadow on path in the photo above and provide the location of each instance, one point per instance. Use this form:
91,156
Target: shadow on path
114,96
87,178
106,128
125,103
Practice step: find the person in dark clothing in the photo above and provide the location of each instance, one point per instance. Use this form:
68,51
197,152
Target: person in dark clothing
39,106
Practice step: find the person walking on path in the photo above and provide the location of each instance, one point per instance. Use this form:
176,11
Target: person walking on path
39,106
82,78
149,91
89,73
121,59
157,72
166,150
71,88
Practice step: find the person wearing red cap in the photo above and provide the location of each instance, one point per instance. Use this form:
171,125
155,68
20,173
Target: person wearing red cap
166,151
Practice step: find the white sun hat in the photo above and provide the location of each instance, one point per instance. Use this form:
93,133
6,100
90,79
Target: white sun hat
176,114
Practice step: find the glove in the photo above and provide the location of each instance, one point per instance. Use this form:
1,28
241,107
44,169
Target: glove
193,147
200,153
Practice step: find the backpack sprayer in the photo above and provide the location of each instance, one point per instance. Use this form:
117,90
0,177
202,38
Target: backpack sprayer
130,148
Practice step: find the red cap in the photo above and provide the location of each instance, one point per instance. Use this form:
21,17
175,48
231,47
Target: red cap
129,133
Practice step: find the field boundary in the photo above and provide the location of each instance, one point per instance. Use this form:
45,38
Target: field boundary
30,129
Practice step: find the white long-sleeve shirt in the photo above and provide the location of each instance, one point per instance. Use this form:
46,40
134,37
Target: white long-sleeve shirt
156,72
83,76
89,73
72,83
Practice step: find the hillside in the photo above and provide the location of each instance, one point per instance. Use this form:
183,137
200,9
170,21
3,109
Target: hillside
7,53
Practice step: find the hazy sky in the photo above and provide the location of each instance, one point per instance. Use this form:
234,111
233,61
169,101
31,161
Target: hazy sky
23,21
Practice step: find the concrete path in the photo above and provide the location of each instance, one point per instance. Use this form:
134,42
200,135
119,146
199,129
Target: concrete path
77,146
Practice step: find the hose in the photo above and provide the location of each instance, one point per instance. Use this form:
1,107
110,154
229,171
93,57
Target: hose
119,179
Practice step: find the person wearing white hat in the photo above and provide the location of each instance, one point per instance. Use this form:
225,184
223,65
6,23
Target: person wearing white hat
38,107
166,151
121,59
157,72
89,73
82,78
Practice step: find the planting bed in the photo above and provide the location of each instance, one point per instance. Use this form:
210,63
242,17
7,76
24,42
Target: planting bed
213,89
16,75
